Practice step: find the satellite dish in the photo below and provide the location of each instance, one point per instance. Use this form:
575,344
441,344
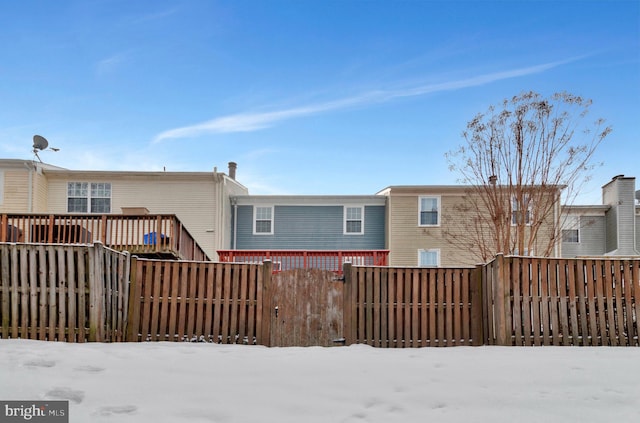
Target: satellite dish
39,143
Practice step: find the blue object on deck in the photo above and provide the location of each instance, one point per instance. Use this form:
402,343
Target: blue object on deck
151,238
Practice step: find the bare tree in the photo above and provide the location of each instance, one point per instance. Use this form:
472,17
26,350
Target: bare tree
517,160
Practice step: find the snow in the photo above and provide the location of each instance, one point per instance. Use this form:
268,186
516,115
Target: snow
200,382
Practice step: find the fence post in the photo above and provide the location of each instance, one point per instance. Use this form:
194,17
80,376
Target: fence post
347,304
478,308
5,282
96,293
501,300
267,295
133,310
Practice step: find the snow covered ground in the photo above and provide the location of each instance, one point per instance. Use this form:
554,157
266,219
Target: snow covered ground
195,382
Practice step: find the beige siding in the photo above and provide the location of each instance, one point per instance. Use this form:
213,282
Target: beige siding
40,193
192,200
231,188
15,191
406,237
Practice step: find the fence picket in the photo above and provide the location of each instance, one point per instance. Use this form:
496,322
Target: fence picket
618,307
627,280
600,290
563,297
424,308
515,275
526,301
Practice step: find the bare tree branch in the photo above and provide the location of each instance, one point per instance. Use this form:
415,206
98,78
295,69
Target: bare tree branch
517,158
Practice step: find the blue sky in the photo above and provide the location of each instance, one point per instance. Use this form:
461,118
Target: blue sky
308,97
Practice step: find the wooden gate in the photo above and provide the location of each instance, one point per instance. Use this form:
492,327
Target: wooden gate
306,308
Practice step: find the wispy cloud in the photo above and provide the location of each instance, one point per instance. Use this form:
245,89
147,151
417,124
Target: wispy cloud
110,64
154,16
247,122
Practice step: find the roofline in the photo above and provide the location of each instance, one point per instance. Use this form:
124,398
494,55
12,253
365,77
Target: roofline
308,200
452,188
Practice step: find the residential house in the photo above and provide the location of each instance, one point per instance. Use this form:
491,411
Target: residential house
428,225
611,228
308,231
199,200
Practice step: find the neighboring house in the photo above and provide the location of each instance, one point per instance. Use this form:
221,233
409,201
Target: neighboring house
424,222
351,226
200,200
612,228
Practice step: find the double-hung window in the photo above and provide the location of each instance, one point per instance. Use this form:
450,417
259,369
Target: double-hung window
85,197
354,220
521,212
571,229
263,220
429,211
429,258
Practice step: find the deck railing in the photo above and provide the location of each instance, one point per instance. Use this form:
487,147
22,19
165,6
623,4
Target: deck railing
307,259
150,234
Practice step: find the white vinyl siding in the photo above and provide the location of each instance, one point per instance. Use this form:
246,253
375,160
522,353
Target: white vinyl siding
429,211
263,220
354,220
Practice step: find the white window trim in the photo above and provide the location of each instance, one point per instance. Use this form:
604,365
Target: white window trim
344,223
429,250
89,211
439,198
255,210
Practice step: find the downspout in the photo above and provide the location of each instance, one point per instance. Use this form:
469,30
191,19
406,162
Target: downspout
235,222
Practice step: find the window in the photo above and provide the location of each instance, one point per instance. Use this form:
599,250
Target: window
429,211
263,220
521,213
85,197
354,220
571,229
429,258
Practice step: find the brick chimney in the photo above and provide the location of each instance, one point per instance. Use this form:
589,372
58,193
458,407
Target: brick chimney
232,170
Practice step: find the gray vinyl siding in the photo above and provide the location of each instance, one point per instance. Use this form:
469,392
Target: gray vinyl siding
637,232
311,227
592,238
611,230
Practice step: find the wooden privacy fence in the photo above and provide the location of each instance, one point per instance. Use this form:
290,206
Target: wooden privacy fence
538,301
202,301
67,293
91,293
412,307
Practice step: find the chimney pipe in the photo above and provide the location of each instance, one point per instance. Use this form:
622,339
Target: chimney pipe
232,170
